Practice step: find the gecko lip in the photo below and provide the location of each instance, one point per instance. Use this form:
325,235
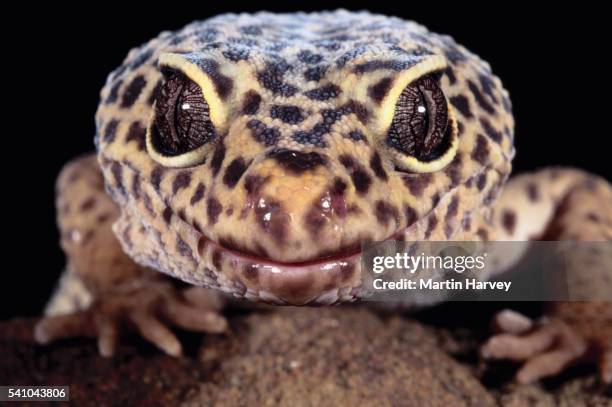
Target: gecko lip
319,281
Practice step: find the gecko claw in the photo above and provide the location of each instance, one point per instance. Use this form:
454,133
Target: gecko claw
149,309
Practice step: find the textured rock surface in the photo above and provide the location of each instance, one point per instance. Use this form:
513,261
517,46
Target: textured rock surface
296,357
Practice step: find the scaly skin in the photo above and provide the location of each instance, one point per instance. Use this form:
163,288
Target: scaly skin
293,163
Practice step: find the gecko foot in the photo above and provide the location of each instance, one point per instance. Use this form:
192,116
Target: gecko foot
149,308
545,347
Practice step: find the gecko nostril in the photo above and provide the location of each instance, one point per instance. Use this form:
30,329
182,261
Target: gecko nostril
297,161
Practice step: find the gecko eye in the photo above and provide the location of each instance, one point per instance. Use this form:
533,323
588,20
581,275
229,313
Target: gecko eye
423,131
181,129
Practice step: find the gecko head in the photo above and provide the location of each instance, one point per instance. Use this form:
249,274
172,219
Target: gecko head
272,147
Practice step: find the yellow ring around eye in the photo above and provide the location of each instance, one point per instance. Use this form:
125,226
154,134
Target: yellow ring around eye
218,111
188,159
387,106
408,163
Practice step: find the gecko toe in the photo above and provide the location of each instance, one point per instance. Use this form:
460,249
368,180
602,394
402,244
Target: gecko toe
203,298
108,335
156,332
151,309
511,322
517,347
53,328
195,319
544,365
545,349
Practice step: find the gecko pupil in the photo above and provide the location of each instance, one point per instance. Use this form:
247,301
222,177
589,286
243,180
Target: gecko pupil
182,117
420,125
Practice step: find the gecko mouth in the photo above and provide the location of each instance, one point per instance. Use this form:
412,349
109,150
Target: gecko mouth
348,252
323,280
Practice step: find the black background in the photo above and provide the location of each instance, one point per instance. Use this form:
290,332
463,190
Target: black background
549,60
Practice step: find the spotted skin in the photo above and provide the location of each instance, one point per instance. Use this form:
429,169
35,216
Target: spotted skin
299,173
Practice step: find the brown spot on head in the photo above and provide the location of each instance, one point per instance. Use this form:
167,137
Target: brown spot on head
250,103
435,199
411,214
452,78
117,171
330,204
509,220
110,131
453,171
114,92
213,209
416,183
480,153
338,204
361,179
432,222
136,185
380,89
490,131
326,92
273,219
217,160
136,133
297,161
480,99
196,225
132,91
453,208
146,200
167,214
156,177
360,110
481,181
181,181
198,194
314,220
263,134
290,114
253,184
462,104
155,92
386,212
182,216
234,172
377,167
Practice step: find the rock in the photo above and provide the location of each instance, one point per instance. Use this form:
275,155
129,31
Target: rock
332,356
289,356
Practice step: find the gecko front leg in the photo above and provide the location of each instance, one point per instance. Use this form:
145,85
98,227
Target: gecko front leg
103,291
559,205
